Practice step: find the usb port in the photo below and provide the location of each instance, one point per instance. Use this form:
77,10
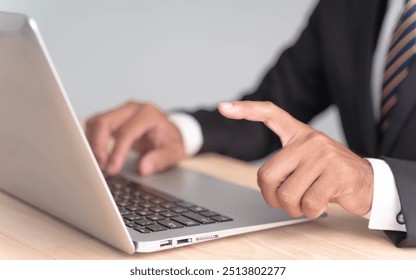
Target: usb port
165,243
183,241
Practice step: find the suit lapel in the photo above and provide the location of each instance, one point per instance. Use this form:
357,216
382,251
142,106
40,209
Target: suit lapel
406,102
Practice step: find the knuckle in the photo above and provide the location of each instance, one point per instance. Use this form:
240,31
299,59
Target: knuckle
344,171
148,109
264,175
148,106
317,138
267,187
311,207
269,105
330,156
270,109
286,197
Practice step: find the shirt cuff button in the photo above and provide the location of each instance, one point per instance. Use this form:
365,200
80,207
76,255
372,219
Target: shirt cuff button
400,218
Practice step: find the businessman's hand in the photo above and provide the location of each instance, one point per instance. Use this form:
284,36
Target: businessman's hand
135,126
311,170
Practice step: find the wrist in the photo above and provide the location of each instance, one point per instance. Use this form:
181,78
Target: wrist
190,130
368,187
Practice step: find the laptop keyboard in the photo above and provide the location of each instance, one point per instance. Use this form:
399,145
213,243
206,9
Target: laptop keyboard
147,210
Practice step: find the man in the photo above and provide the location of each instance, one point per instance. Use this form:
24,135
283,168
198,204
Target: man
354,54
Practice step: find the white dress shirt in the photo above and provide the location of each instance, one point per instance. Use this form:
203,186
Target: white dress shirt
386,203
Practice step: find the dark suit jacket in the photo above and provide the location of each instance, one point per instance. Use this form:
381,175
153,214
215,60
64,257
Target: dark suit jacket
331,63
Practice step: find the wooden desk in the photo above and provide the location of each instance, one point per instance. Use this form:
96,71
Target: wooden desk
27,233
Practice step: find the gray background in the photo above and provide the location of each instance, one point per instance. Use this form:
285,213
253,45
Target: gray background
174,54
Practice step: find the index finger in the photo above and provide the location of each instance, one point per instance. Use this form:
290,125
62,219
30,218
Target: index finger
100,128
278,120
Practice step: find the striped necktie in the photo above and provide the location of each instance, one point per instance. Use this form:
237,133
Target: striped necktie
401,52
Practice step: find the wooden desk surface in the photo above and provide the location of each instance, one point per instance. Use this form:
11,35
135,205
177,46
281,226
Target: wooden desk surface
27,233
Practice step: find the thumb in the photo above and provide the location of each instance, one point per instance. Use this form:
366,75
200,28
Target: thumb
158,160
275,118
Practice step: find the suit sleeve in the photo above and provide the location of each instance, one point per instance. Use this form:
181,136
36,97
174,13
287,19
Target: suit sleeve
295,83
405,176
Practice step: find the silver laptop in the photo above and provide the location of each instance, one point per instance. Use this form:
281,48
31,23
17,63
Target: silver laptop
45,160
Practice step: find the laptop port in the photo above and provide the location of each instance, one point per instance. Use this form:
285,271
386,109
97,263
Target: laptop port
165,243
183,241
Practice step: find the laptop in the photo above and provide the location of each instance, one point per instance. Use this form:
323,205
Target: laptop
46,161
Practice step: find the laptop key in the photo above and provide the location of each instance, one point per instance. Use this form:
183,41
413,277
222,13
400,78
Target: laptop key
133,208
116,193
133,217
145,212
147,196
168,205
137,193
127,190
130,223
209,213
185,204
221,219
122,203
144,222
157,201
117,185
157,209
126,197
197,209
178,210
156,218
185,221
199,218
125,212
142,230
135,200
156,227
170,224
147,205
169,214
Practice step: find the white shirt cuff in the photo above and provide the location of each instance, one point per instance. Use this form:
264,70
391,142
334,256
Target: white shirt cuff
386,203
191,132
